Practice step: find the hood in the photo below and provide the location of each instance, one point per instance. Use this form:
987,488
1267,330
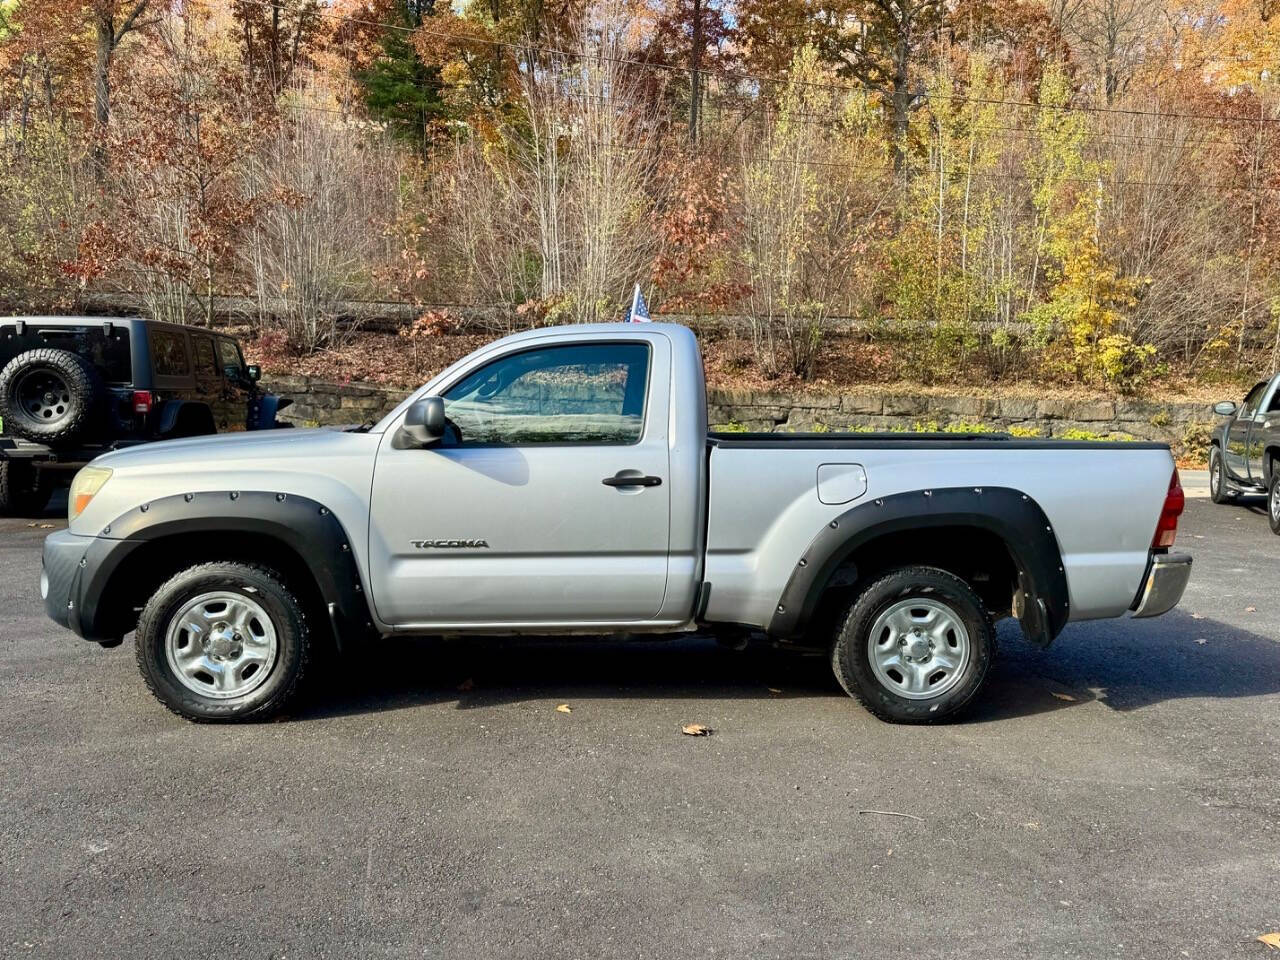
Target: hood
273,444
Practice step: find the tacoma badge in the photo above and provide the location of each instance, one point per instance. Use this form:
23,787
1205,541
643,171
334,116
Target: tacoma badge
446,544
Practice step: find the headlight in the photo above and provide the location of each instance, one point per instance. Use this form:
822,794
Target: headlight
84,488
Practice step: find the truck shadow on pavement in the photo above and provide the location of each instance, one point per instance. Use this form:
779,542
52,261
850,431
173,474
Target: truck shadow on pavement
1123,664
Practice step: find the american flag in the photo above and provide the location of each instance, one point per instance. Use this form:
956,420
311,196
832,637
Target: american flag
639,312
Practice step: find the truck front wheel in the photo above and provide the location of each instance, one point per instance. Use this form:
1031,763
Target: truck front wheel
224,641
915,646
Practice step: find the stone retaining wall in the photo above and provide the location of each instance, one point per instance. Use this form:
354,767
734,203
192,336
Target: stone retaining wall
317,402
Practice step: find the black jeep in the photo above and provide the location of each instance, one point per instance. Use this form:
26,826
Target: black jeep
74,387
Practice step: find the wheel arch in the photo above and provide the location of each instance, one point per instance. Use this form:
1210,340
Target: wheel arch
186,418
299,537
999,527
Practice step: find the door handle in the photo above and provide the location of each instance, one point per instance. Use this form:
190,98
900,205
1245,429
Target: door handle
632,481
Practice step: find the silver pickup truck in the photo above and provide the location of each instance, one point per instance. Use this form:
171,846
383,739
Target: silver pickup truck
563,481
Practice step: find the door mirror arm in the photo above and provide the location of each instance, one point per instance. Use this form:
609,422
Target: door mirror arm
424,425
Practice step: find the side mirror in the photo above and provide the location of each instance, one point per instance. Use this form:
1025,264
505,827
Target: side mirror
423,424
253,372
1225,409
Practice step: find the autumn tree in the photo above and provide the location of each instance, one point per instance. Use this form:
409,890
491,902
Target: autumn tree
112,21
275,36
806,211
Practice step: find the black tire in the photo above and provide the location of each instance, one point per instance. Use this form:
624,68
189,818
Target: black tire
287,617
851,657
48,395
1273,501
22,494
1219,492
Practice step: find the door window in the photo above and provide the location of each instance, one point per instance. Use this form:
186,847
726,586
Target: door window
582,393
229,356
1251,401
206,364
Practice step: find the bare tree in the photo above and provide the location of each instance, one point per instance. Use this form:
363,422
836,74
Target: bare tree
327,190
1112,36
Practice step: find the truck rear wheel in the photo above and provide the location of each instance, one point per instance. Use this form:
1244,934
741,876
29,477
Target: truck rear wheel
915,646
47,394
22,493
224,641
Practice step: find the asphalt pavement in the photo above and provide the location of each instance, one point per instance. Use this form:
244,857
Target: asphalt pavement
1115,796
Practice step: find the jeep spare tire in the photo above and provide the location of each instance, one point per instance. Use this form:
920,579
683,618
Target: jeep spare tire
47,394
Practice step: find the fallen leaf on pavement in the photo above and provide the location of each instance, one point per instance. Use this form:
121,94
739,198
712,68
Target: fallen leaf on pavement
467,684
1197,616
1272,940
695,730
564,708
1064,696
1202,640
1250,609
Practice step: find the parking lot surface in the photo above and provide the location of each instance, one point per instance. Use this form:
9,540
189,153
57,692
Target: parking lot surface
1115,796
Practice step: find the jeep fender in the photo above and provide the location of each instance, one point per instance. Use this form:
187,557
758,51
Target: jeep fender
262,412
1041,599
172,410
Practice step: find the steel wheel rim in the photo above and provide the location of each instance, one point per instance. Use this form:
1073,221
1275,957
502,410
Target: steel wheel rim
43,396
1275,501
221,645
1213,474
919,648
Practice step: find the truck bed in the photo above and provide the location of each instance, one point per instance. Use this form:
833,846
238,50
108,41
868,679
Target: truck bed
1102,501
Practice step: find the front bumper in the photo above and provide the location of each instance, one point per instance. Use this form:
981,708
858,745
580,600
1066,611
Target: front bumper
1167,577
69,582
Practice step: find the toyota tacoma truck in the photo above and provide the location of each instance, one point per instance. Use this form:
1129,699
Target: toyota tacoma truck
563,481
1244,451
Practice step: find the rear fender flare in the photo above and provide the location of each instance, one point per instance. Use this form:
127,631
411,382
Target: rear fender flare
1010,514
172,410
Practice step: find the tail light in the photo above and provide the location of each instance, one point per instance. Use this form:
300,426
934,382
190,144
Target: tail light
1174,501
142,401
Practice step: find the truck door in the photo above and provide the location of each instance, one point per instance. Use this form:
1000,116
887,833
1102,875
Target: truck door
1266,422
548,499
1235,454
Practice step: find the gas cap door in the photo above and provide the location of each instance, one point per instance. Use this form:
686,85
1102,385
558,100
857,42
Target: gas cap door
841,482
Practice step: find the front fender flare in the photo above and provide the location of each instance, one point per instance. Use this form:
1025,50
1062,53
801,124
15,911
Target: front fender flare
306,527
1009,514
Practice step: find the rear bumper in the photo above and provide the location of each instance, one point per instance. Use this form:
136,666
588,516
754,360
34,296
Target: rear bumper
1166,579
